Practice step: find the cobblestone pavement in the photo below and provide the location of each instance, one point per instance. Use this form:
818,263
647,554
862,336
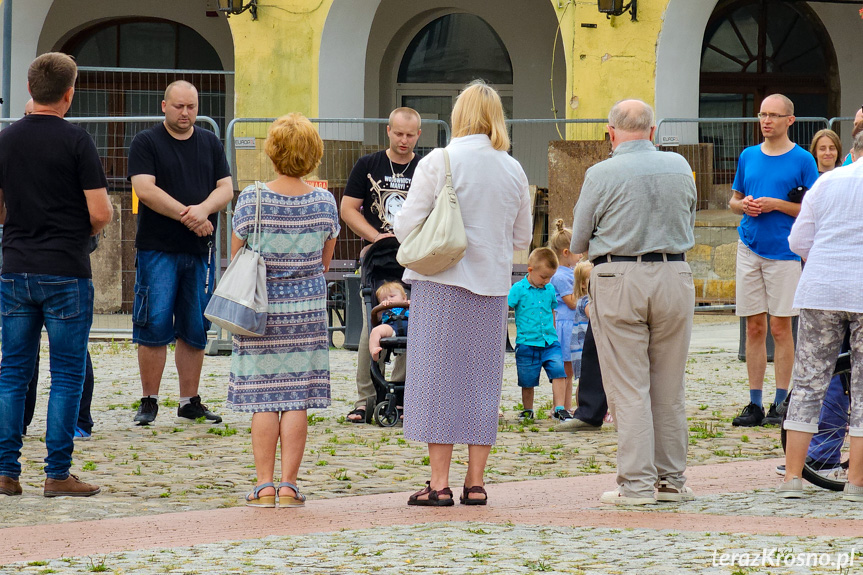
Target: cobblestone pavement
169,466
481,548
173,467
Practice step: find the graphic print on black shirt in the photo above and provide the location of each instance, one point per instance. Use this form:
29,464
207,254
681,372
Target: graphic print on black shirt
383,186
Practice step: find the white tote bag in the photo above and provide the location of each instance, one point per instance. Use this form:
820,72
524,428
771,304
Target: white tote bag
440,241
239,303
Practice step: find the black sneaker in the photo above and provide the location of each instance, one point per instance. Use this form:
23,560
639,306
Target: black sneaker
526,414
751,416
561,415
195,409
772,418
147,411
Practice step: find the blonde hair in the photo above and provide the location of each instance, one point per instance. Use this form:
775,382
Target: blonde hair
833,136
581,274
544,256
390,287
478,110
294,145
560,238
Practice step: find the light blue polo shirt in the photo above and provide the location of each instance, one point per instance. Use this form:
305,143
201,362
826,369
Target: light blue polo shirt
534,313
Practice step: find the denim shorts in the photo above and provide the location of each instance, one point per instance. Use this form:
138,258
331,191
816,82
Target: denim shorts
170,298
530,359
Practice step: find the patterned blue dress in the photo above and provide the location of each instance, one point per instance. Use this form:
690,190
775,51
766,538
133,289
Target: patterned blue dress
288,368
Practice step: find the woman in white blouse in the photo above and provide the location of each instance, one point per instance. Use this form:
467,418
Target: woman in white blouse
458,317
828,234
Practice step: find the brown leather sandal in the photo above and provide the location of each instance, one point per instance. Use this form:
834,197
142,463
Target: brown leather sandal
434,499
465,491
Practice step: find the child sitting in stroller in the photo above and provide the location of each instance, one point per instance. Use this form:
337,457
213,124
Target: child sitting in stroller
393,320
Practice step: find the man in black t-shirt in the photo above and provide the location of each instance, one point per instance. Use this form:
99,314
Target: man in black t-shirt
182,180
54,195
376,190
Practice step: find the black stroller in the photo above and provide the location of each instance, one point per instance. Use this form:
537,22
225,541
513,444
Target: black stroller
379,265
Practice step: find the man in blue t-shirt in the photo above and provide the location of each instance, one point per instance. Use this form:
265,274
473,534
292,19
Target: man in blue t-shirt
182,178
767,270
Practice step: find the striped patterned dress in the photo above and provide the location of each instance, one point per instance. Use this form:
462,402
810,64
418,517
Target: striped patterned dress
288,368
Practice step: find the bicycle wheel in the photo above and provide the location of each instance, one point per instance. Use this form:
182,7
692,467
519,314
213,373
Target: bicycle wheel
827,459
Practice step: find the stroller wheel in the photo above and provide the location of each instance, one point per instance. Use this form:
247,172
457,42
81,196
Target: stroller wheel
386,414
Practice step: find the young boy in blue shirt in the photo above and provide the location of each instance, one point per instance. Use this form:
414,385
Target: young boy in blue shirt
536,344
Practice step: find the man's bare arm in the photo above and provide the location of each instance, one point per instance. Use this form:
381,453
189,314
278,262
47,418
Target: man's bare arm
351,214
100,208
196,216
777,205
156,198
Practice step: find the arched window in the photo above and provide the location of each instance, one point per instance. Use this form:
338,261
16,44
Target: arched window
753,48
446,54
121,63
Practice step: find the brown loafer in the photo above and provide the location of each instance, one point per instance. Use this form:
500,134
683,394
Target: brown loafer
434,499
9,486
466,491
69,487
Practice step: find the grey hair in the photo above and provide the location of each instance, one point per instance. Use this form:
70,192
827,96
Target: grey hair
857,146
631,120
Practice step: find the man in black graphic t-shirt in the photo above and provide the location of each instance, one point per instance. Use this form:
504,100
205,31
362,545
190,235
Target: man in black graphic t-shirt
54,194
182,179
376,190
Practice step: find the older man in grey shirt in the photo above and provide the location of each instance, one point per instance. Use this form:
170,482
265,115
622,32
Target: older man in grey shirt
635,218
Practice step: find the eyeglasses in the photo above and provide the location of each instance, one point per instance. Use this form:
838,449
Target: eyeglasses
771,116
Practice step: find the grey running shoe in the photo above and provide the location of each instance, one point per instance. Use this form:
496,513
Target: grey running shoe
852,492
791,489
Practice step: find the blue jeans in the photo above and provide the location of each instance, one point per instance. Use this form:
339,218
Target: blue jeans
531,359
65,306
170,298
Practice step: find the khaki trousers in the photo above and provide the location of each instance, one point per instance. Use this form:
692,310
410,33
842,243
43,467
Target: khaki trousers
365,387
641,314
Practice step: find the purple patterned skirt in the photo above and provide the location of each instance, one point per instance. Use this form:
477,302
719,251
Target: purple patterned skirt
455,365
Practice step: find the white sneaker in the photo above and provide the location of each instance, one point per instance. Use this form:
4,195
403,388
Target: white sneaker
791,489
837,473
780,470
668,492
853,492
617,498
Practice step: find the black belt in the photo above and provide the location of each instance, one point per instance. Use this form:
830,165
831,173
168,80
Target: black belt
651,257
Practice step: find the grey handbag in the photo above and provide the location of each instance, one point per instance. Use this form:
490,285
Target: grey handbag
439,242
239,303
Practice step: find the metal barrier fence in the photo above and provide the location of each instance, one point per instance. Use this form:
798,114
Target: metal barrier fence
345,140
843,126
126,92
114,262
530,139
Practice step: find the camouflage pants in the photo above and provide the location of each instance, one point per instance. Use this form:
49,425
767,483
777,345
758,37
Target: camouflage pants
818,342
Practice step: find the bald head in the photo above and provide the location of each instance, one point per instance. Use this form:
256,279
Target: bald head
179,84
28,107
631,116
781,101
630,120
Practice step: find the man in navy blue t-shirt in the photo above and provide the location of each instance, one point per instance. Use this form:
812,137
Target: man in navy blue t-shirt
766,190
182,179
